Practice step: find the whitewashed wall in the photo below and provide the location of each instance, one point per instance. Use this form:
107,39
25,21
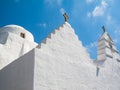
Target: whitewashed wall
60,62
19,74
12,45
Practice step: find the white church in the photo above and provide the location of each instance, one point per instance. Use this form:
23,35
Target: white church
60,62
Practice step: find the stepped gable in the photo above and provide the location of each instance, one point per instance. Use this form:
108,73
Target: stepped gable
61,62
54,32
64,37
49,36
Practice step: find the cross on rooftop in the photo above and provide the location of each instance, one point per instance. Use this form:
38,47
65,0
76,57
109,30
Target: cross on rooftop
104,29
66,17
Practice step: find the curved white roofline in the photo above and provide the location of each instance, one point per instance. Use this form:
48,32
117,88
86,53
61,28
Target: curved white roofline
16,29
14,26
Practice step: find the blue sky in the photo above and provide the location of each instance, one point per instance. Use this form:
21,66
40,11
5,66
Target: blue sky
86,16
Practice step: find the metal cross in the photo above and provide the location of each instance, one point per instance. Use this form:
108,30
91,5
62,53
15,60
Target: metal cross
104,29
66,17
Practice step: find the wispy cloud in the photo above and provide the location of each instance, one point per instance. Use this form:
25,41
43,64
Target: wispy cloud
104,12
59,2
117,35
44,25
53,2
62,11
89,1
100,10
89,14
108,17
91,46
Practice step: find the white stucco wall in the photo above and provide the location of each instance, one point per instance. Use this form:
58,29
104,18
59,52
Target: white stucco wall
13,46
60,62
19,74
61,72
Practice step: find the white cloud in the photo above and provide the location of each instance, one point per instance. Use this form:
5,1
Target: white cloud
116,41
62,10
117,31
109,18
54,2
100,10
44,25
94,44
89,14
91,46
89,1
59,2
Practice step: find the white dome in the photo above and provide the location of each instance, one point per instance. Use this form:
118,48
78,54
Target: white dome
18,30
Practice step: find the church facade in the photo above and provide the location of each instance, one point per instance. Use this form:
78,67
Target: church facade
60,62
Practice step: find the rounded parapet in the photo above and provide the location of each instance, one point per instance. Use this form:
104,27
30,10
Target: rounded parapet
18,30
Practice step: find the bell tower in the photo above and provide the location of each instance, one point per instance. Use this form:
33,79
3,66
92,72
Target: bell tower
106,47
